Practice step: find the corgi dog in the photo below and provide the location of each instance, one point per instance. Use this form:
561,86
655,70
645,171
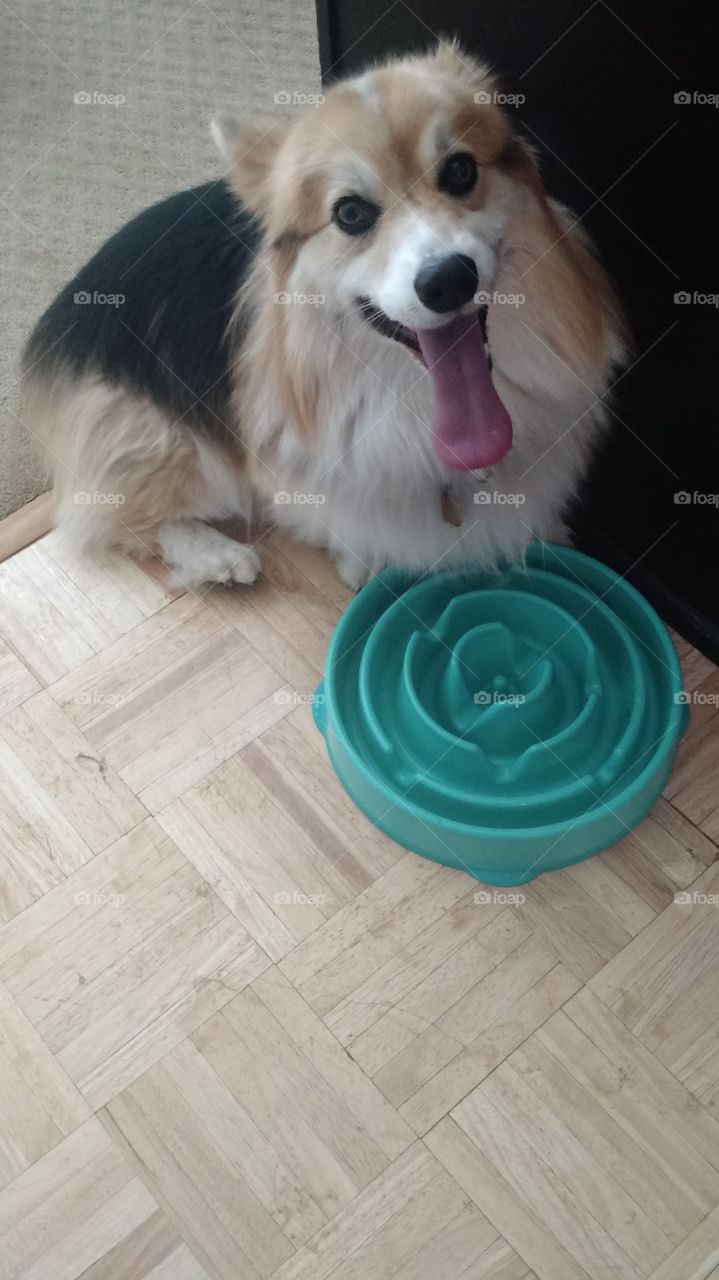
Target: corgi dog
377,331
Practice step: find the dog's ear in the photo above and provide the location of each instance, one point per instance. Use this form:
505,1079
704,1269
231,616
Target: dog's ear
482,122
249,149
450,58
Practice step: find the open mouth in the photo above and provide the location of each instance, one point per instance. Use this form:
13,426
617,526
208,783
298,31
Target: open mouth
389,328
471,429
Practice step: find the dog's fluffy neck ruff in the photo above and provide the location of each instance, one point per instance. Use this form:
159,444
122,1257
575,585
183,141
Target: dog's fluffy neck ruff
342,389
358,449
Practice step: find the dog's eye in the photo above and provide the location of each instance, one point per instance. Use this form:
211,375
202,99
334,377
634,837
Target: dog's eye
458,174
355,215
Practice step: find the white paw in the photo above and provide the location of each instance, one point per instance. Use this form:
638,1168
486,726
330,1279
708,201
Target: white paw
235,563
351,570
198,555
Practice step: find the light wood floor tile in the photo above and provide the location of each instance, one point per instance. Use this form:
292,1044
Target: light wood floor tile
492,1190
295,743
695,667
315,566
412,1209
585,915
196,1178
642,1097
38,1103
58,610
664,854
330,964
290,628
256,1131
161,646
516,1019
60,803
121,961
80,1212
664,987
182,695
570,1125
693,786
222,826
696,1256
16,682
54,760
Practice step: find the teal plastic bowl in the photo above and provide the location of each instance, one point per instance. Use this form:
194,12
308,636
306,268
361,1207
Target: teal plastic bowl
507,724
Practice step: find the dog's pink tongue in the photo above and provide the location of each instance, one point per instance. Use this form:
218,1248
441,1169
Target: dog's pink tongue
471,428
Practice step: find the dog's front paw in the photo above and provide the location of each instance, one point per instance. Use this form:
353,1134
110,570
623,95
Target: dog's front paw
238,564
351,570
197,555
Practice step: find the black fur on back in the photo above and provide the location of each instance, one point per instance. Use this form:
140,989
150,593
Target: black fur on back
178,266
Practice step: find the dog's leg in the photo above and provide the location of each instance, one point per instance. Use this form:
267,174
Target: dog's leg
198,554
352,571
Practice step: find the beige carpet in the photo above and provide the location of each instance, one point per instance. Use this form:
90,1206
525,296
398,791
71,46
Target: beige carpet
73,171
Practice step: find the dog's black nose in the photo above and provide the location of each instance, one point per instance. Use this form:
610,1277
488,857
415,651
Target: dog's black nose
446,283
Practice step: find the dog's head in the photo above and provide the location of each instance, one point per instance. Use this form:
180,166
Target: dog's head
392,192
389,200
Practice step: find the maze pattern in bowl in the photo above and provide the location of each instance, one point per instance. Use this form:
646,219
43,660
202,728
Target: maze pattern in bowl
507,724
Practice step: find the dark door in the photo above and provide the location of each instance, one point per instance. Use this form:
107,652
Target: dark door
621,101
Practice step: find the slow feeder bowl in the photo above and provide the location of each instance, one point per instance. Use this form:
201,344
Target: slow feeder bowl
507,724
